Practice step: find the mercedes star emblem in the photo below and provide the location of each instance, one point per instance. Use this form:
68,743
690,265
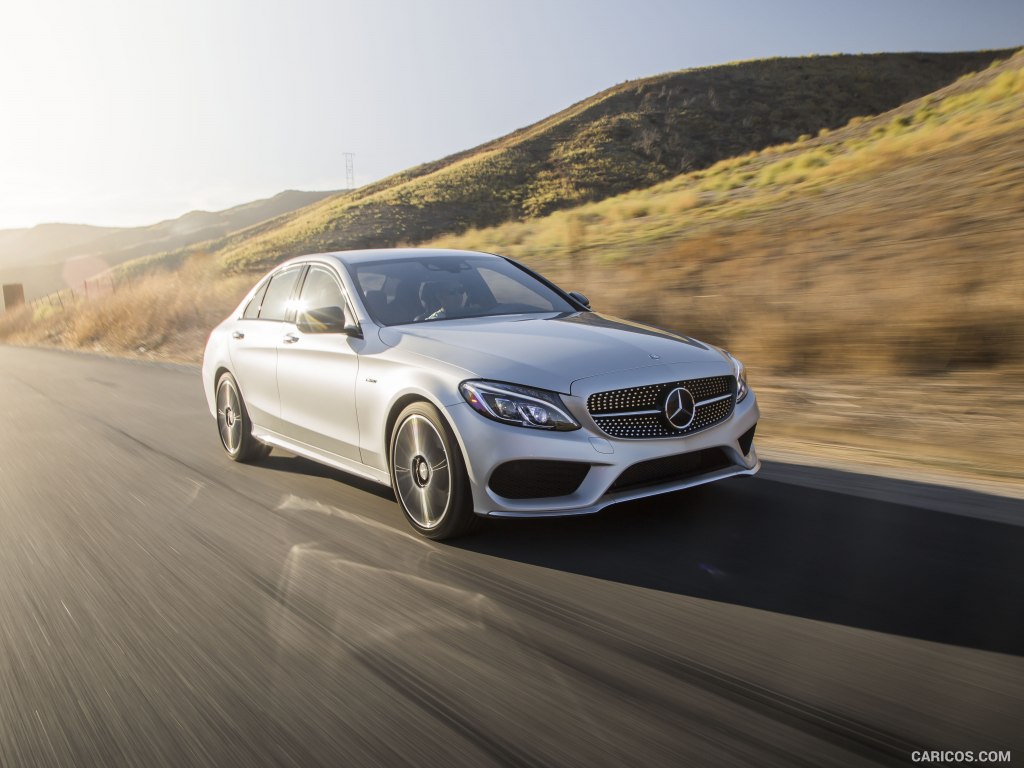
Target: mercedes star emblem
679,408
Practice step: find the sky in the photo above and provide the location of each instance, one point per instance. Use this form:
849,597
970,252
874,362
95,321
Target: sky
127,112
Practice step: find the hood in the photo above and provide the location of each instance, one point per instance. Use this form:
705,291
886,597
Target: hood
548,351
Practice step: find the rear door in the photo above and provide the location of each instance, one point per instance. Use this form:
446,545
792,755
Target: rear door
254,344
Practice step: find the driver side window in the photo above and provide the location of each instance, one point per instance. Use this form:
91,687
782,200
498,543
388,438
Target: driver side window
322,301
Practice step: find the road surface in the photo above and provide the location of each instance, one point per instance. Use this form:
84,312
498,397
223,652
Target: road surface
161,605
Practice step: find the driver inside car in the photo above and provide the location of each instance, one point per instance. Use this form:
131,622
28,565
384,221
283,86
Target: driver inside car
442,299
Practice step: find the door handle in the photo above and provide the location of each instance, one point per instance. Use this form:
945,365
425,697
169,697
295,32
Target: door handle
290,338
237,335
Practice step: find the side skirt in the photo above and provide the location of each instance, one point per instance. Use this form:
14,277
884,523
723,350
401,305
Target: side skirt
321,457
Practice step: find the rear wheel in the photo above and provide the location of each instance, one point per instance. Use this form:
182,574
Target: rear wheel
429,475
234,425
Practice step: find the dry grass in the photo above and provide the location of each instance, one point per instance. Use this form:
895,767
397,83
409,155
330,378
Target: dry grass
956,427
167,316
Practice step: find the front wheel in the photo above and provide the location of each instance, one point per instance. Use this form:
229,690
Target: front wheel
234,425
429,475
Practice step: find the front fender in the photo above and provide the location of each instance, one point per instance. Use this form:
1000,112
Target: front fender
383,387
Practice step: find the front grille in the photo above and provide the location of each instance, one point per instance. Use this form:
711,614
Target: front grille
536,479
669,469
638,413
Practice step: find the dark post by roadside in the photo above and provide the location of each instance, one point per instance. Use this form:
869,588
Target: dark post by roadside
14,296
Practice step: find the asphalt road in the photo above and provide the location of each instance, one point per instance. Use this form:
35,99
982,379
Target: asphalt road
160,605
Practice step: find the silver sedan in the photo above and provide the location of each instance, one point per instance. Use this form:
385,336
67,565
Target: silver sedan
473,387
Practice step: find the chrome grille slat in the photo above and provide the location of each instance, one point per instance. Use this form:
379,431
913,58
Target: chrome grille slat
627,413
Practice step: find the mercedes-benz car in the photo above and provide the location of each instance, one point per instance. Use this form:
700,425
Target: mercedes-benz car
473,386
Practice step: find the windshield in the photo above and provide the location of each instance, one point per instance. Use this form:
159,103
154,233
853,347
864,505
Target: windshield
429,288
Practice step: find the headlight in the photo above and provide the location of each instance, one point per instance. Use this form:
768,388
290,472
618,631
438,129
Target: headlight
519,406
741,378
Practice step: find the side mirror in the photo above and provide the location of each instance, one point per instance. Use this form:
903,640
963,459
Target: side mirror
327,320
577,296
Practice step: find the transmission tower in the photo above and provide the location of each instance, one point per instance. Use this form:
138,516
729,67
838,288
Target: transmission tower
350,172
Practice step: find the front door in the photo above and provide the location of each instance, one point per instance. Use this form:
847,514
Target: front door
316,371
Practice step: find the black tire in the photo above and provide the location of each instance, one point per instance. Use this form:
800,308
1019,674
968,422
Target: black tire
234,425
429,475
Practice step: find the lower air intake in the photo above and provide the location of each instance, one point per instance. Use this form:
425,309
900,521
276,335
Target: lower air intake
535,479
669,469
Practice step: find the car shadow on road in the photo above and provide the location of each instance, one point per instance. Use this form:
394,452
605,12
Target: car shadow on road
814,553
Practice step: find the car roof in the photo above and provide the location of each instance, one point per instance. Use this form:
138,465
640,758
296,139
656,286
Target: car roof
384,254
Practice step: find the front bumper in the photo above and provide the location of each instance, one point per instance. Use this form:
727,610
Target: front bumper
486,445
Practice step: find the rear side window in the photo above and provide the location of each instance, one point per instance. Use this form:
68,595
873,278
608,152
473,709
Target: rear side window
252,309
275,302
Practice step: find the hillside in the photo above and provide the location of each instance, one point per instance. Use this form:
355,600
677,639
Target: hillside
25,246
837,250
627,137
37,257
